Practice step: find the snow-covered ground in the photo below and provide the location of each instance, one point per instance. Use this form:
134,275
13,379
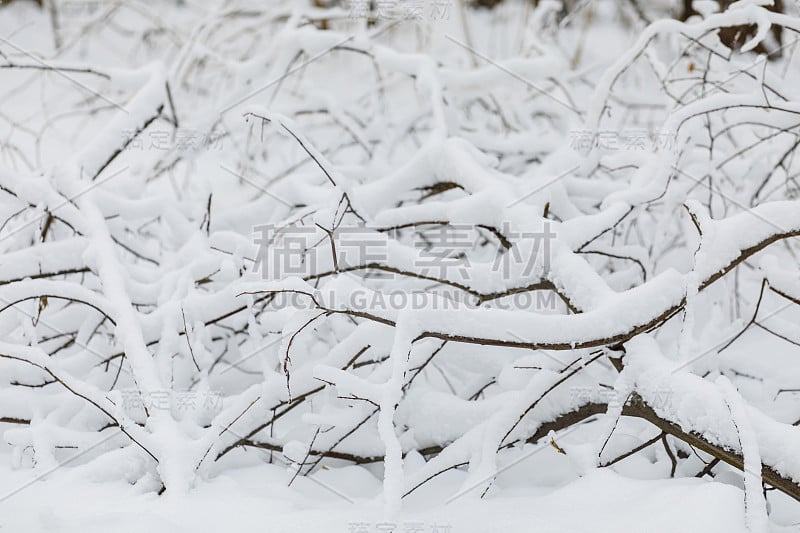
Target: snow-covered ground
255,497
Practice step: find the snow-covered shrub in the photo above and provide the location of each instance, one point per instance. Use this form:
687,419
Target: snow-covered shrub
299,234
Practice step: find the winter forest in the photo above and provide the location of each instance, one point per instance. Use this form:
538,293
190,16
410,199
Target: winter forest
399,266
